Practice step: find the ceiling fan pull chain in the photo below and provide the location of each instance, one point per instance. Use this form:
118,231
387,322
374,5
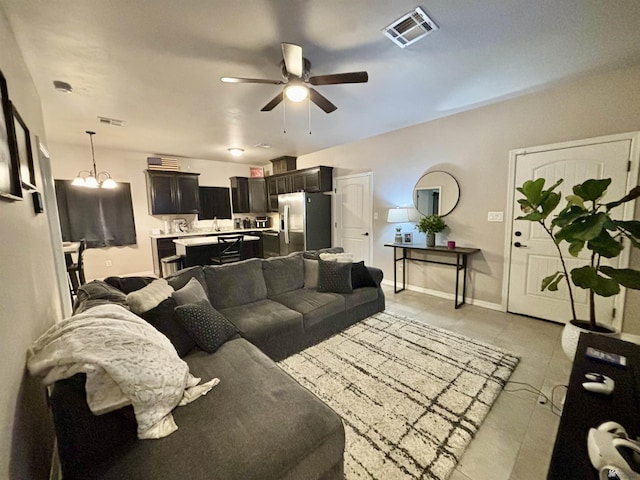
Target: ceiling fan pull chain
284,113
309,109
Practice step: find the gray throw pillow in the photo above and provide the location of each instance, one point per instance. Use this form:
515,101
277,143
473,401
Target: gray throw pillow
208,327
310,273
334,277
192,292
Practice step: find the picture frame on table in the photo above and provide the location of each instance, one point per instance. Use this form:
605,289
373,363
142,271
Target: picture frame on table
23,151
407,237
10,186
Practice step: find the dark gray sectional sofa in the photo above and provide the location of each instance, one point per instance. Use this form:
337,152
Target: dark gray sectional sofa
258,423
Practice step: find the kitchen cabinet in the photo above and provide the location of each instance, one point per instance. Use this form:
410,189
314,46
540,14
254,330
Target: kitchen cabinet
314,179
214,203
283,164
172,192
248,195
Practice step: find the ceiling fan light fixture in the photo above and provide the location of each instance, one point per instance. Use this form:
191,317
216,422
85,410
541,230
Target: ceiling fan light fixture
236,152
296,93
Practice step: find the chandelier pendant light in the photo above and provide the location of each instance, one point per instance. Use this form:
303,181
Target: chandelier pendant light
91,178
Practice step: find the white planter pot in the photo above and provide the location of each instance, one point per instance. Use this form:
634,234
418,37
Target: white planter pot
571,334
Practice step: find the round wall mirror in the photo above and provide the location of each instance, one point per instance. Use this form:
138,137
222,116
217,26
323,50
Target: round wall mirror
436,193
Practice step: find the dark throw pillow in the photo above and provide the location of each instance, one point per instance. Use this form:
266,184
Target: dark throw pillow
129,284
165,320
360,276
334,277
208,327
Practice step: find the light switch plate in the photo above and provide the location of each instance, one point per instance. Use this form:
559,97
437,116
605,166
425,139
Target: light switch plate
495,216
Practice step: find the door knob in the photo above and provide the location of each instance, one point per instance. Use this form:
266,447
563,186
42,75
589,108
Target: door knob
366,234
518,245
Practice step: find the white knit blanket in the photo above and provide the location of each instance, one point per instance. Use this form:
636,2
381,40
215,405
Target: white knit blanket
126,360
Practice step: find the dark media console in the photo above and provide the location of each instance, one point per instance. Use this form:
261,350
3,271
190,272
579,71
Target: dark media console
584,410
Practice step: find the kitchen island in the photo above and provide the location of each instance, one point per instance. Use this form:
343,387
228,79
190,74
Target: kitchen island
199,250
162,243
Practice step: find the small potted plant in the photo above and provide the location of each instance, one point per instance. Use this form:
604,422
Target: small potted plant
431,224
584,223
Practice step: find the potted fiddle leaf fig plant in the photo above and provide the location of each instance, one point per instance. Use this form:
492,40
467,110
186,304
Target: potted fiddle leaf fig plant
584,223
431,224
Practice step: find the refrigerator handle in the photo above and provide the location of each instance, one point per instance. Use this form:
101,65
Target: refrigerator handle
285,224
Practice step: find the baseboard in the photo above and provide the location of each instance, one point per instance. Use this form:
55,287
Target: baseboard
449,296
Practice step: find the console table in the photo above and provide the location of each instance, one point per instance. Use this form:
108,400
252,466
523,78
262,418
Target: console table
584,410
460,254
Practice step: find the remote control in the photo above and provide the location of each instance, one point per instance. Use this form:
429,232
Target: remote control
606,357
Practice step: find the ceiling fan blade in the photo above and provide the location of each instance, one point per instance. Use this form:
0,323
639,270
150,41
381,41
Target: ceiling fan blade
273,103
353,77
292,55
250,80
321,101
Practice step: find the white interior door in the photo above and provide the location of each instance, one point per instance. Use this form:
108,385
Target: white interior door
533,254
353,222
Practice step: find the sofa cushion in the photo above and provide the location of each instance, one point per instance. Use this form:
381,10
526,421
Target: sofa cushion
97,293
334,277
192,292
313,305
260,321
235,284
150,296
310,273
283,274
208,327
360,276
164,318
256,424
360,296
180,278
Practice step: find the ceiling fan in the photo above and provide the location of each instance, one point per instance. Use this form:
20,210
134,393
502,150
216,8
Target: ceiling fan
295,75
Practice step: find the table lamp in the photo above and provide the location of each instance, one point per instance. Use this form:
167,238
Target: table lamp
398,215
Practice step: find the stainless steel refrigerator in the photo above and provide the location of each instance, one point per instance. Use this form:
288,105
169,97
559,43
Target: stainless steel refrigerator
305,221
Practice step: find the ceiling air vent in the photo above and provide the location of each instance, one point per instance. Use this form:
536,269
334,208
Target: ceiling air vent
410,28
111,121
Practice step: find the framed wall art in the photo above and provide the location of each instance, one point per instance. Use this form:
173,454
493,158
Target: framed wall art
10,187
23,151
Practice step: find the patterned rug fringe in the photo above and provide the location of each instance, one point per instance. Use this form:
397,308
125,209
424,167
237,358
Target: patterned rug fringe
411,396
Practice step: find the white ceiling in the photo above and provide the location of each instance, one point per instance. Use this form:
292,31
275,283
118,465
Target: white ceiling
156,64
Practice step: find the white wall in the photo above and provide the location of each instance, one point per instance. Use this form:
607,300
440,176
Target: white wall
29,298
474,147
126,166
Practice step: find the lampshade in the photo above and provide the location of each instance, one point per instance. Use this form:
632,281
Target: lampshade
296,93
398,215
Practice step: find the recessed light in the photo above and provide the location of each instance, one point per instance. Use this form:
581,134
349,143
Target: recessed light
236,152
63,87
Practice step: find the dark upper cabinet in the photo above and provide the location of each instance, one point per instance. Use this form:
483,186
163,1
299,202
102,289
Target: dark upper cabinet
257,195
249,195
240,194
315,179
172,192
214,203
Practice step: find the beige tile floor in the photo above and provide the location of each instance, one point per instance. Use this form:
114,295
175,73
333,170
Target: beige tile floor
516,439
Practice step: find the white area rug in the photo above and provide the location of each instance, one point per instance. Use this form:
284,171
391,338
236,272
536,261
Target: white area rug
411,396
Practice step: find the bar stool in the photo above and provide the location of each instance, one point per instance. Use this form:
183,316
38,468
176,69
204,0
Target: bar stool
229,249
76,270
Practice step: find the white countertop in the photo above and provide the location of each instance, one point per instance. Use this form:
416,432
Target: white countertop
203,233
210,240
